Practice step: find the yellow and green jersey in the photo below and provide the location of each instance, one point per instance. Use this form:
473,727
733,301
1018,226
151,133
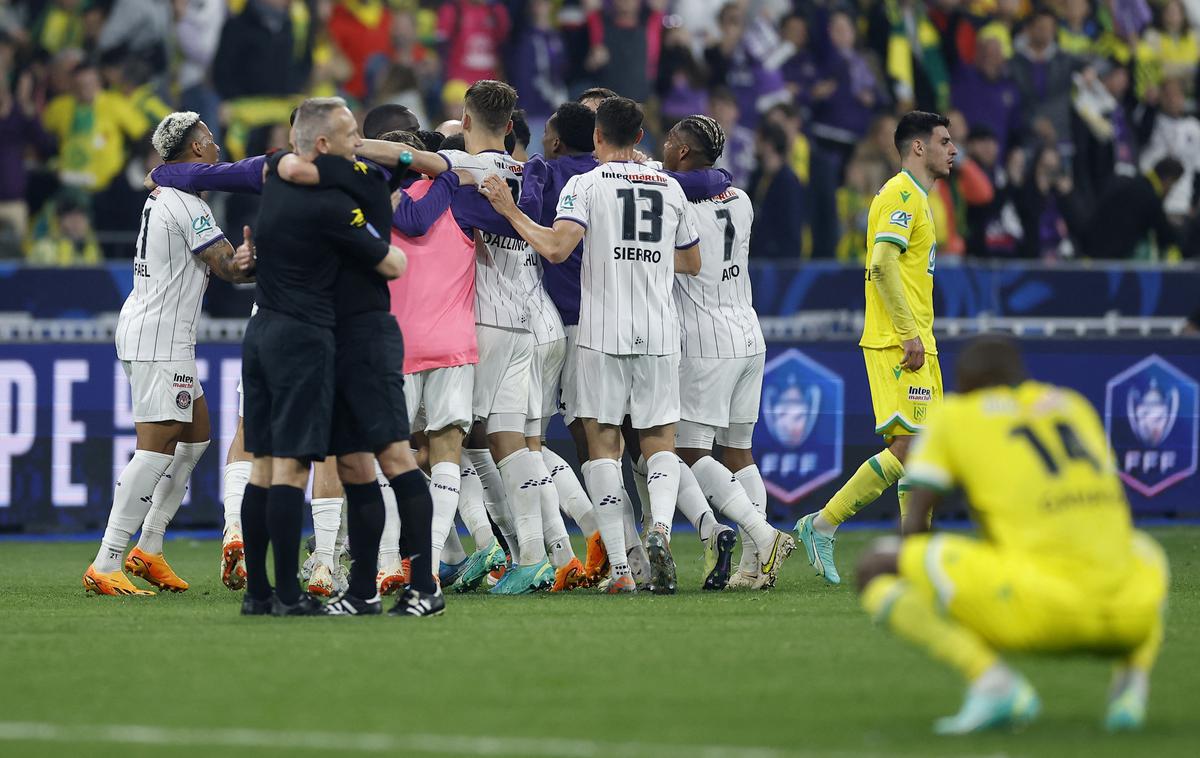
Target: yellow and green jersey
1038,475
900,215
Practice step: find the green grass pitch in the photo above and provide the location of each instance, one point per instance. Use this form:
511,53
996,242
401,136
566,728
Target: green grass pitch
798,671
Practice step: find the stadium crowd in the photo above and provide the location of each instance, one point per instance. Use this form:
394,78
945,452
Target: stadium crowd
1075,119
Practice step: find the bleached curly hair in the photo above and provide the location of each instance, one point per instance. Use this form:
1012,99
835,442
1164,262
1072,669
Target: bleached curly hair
171,133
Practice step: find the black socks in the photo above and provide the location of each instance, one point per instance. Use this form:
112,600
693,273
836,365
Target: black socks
364,525
416,527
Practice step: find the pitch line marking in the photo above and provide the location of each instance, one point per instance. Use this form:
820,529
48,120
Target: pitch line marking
345,742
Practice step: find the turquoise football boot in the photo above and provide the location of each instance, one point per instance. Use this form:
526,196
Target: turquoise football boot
524,580
1015,708
481,562
819,549
449,573
1126,710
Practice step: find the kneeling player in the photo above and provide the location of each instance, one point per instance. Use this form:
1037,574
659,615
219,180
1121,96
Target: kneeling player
1060,569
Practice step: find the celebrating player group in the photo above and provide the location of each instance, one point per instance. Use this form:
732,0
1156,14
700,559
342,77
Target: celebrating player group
426,302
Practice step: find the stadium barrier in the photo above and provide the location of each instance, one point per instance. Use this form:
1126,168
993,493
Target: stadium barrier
66,427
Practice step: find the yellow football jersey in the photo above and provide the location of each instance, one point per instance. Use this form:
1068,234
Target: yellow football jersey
900,214
1037,472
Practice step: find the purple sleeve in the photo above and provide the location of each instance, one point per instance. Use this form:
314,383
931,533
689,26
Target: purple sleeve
703,182
473,211
245,176
533,185
413,218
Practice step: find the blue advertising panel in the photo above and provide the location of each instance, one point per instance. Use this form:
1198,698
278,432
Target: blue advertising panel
66,426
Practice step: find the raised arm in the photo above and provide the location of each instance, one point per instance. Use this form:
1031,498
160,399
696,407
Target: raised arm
245,176
388,154
552,243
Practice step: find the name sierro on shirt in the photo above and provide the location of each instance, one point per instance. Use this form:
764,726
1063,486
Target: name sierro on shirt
636,254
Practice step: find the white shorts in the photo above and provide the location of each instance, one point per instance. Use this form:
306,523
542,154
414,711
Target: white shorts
163,390
718,392
438,398
502,376
643,387
566,382
544,374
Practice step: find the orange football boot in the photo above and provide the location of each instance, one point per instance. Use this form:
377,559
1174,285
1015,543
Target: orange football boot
233,561
569,577
115,583
392,580
154,569
596,565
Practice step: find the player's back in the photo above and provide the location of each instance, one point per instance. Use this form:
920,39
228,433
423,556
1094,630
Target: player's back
1038,473
159,317
636,217
716,308
900,215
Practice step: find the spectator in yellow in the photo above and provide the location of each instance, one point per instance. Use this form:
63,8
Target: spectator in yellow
92,127
60,26
130,76
63,235
1077,32
1168,50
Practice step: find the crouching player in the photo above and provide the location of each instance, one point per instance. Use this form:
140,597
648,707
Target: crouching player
1059,567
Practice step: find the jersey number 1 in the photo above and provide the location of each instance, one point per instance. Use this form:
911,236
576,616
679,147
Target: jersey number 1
1072,447
145,232
630,217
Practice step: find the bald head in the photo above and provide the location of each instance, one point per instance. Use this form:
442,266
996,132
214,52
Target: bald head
990,361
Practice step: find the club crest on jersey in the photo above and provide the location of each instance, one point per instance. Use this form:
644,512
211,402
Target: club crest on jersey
183,400
1152,416
901,219
801,431
202,224
357,219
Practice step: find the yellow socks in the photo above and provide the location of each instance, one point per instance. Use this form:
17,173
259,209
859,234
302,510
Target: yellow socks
868,483
910,614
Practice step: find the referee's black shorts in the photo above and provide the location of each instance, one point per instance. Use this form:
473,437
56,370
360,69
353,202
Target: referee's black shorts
287,378
368,408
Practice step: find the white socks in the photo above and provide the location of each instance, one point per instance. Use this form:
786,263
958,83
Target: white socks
389,541
554,531
570,492
662,482
751,480
693,505
443,490
603,477
730,499
822,526
522,483
237,476
470,504
639,482
168,495
495,499
131,502
327,520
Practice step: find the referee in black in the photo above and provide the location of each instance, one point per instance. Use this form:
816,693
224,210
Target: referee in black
305,237
370,420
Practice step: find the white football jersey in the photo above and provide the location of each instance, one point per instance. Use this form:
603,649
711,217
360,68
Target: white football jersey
716,310
636,218
501,262
158,320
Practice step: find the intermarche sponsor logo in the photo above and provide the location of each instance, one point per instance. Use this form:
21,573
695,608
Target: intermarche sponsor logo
1152,416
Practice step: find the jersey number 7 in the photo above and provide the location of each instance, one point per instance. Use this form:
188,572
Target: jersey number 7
630,218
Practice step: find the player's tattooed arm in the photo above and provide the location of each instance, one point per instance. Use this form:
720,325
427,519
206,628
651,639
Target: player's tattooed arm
552,243
235,266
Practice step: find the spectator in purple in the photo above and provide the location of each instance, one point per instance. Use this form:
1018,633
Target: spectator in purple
844,100
778,199
799,70
681,79
986,93
1040,202
539,65
20,130
738,158
747,59
1043,73
994,230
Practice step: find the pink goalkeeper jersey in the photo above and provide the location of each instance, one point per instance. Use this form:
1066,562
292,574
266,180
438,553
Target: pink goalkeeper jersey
434,302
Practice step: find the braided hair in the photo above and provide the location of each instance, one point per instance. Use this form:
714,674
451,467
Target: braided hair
705,134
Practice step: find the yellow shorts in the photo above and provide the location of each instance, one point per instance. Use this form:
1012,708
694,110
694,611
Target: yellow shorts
1014,604
902,399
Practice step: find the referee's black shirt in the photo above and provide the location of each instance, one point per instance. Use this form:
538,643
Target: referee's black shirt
304,236
360,288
